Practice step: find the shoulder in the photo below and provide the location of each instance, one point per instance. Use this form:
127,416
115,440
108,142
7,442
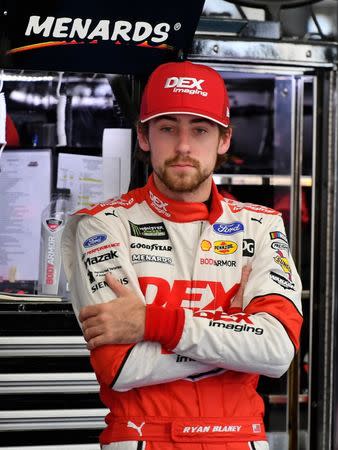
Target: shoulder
125,201
236,207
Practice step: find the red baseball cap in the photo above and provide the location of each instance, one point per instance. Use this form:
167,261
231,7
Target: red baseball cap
185,88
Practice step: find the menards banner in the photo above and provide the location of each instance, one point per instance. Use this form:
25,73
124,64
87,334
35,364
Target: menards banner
126,36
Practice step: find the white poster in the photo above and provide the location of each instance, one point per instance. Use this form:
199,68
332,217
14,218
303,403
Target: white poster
25,183
116,146
89,180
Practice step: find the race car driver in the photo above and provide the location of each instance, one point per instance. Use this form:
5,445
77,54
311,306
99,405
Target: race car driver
184,297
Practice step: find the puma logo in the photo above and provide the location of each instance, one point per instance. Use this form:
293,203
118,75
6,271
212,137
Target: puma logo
138,429
257,220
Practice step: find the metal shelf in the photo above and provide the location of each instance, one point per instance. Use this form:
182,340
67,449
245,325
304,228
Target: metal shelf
52,419
48,383
259,180
13,346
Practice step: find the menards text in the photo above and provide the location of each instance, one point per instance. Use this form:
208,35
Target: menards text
69,28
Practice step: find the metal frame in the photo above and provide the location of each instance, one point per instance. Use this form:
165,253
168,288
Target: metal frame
319,60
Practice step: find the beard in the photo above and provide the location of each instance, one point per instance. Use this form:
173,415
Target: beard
182,181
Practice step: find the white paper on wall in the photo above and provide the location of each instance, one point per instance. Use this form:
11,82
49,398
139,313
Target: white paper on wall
116,149
25,183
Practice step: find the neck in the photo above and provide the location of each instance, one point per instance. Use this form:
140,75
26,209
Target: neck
199,195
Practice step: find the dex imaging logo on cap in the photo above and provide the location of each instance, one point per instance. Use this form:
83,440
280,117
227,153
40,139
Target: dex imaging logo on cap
185,85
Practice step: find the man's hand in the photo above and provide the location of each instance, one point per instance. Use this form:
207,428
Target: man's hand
120,321
238,299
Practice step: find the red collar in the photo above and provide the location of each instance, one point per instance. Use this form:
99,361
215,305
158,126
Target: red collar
182,211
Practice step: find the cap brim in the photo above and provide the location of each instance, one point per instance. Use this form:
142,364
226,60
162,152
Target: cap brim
167,113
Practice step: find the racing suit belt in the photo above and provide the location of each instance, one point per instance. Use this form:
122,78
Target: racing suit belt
193,429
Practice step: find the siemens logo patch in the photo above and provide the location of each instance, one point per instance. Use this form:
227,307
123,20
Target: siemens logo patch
94,240
149,230
228,228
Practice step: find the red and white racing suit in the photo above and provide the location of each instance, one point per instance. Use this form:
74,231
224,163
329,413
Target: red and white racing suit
191,384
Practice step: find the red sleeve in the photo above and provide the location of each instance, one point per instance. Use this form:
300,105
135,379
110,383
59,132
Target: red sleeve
107,361
283,310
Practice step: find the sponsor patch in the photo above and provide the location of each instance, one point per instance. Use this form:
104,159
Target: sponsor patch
278,235
225,247
94,240
238,206
237,328
101,273
217,263
248,247
280,246
283,262
260,220
283,282
100,258
228,228
102,247
206,245
152,247
102,284
151,258
159,205
186,85
113,213
156,231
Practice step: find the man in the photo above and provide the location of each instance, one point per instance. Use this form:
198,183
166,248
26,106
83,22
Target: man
206,295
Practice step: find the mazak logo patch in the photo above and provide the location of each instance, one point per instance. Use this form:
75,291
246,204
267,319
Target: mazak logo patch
228,228
283,282
90,261
94,240
149,230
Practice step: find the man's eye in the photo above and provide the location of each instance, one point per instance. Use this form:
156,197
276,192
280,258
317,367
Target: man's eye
166,129
200,130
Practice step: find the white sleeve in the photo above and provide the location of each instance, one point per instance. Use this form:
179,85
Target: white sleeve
261,339
90,249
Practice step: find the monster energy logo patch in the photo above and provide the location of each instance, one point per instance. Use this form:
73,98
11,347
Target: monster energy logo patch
149,230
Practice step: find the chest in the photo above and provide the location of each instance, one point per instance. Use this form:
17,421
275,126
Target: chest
192,265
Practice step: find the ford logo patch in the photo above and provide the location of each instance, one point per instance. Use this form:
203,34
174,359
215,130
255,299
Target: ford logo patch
94,240
228,228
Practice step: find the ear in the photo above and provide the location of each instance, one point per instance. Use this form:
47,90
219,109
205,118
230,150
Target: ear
224,142
143,140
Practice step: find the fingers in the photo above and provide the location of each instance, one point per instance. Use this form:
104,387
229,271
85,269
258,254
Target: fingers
238,299
86,312
116,286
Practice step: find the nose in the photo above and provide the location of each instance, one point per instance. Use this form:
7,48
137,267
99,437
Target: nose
183,142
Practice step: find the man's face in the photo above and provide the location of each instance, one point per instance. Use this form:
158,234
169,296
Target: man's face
183,150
